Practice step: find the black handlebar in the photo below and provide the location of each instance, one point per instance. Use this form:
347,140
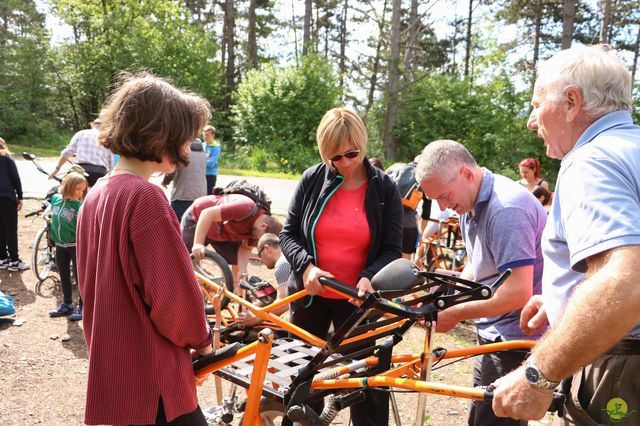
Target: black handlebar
341,287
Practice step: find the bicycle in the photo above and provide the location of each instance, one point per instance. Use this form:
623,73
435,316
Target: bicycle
445,249
283,376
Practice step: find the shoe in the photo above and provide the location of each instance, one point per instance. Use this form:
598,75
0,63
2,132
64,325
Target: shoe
77,314
61,311
18,265
4,263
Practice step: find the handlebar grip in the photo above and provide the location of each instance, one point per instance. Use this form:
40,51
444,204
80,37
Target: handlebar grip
33,213
557,403
341,287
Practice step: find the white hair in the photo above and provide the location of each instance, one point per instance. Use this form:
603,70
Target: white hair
442,158
600,75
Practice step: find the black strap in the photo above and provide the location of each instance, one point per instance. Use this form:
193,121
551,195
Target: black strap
628,346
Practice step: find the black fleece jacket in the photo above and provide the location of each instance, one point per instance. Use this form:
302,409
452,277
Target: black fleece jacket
383,209
10,185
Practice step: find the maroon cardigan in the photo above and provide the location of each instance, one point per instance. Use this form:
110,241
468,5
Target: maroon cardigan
143,309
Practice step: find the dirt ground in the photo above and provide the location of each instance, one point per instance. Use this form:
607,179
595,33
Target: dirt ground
43,361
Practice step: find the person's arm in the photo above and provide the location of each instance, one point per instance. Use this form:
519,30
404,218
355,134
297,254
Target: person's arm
602,311
207,218
510,296
545,185
15,181
65,154
167,283
244,253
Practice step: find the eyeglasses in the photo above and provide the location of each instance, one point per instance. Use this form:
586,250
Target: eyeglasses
348,154
261,250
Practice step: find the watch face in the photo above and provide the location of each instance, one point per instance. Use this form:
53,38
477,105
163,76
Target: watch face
533,376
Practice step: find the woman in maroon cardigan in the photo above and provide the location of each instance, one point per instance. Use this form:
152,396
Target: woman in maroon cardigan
143,310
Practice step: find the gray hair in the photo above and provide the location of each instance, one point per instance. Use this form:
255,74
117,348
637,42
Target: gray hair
600,75
441,158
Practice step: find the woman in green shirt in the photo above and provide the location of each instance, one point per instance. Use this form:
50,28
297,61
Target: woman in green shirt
64,214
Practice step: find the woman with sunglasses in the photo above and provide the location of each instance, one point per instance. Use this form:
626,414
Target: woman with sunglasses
344,222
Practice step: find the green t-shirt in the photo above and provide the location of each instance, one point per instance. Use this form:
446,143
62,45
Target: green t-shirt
64,216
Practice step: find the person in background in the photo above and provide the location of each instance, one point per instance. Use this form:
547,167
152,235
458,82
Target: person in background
344,221
213,154
189,183
530,174
10,205
94,158
582,103
376,162
65,206
542,195
143,308
502,226
271,256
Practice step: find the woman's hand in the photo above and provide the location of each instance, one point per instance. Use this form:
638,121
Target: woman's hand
310,279
197,250
364,287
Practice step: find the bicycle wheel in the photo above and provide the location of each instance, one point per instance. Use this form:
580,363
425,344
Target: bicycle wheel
271,412
215,267
43,255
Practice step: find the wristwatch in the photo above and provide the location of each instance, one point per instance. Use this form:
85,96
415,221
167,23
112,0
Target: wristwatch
536,378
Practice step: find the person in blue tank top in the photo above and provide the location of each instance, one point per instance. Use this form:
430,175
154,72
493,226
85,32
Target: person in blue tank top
213,154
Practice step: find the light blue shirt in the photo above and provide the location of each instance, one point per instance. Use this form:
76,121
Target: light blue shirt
213,153
504,232
596,207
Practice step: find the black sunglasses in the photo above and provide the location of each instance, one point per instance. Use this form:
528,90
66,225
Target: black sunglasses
348,154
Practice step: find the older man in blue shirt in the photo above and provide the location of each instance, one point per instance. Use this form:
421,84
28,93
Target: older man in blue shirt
502,226
591,244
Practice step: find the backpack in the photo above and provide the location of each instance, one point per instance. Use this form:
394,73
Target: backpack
404,176
6,305
243,187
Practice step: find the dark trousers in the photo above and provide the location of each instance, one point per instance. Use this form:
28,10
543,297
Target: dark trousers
194,418
95,172
180,206
65,257
487,369
316,319
8,229
211,182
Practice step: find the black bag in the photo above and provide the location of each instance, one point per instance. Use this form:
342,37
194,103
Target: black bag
404,176
243,187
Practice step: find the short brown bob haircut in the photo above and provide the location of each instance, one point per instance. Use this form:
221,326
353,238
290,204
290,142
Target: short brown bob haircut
147,117
69,182
338,127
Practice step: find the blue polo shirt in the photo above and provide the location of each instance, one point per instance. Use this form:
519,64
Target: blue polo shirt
504,232
596,206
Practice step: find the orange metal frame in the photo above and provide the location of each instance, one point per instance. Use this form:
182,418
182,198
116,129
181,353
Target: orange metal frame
405,375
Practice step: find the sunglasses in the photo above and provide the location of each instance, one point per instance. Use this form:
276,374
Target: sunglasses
348,154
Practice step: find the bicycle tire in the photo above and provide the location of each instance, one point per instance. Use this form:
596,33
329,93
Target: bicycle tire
270,412
215,267
43,255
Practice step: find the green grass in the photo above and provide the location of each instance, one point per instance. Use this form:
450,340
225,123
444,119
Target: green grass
17,150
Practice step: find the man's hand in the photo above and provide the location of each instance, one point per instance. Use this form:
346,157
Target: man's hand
19,205
364,287
533,316
197,250
514,397
247,319
447,319
310,279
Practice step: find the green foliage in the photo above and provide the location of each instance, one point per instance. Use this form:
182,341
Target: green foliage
489,119
277,111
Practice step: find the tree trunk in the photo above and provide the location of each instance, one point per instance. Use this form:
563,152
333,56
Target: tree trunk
295,30
306,36
252,45
391,112
604,20
568,17
229,24
536,41
467,54
412,34
373,81
635,58
343,43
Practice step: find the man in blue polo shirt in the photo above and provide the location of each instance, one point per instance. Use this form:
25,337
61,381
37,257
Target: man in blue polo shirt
502,225
591,297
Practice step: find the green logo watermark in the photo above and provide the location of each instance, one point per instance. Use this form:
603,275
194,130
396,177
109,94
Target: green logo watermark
618,410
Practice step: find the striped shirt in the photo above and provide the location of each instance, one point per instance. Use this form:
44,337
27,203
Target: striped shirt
87,149
143,309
